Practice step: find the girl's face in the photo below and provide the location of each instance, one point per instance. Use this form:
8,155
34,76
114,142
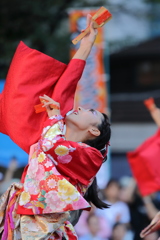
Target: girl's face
83,119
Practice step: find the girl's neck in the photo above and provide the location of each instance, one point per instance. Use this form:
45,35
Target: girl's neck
73,135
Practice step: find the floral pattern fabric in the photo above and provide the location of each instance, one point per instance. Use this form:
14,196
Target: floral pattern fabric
53,184
30,227
45,189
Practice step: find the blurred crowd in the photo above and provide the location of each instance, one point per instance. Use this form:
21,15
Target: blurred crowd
9,175
128,214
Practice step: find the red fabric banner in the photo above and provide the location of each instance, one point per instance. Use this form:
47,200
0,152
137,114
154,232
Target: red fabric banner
145,164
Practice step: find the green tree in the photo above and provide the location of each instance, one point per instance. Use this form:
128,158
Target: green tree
42,25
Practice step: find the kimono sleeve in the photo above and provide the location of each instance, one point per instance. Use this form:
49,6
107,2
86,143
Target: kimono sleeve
79,163
32,74
65,88
88,164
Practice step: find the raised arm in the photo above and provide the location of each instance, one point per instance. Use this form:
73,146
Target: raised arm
153,109
65,88
32,74
87,42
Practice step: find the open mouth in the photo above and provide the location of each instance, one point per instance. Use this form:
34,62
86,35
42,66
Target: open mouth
75,112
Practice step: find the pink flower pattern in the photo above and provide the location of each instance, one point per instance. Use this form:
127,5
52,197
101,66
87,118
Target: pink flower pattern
48,164
32,187
33,168
43,180
53,200
40,173
64,159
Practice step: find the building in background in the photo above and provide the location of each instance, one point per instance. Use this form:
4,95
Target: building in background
134,76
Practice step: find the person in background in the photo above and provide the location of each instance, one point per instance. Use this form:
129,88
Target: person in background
142,209
82,227
93,227
1,177
118,211
144,203
8,179
119,231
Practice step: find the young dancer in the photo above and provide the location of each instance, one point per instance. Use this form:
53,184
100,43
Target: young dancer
61,168
33,74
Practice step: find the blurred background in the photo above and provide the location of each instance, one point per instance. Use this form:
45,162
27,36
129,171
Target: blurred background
130,58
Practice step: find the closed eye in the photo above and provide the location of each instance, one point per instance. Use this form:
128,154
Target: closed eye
92,110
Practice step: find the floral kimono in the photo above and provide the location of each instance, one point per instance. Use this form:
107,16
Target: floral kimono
53,184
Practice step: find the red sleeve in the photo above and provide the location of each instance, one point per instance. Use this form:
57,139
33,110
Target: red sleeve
79,163
65,88
30,75
86,166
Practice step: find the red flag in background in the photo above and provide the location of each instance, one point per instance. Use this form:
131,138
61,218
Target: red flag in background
145,164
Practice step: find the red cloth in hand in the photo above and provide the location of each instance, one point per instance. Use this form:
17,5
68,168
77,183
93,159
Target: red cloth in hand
30,75
145,165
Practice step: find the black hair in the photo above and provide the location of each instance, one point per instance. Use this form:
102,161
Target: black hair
99,143
105,133
91,196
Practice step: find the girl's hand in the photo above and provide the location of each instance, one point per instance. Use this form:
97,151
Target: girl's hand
91,36
87,42
52,107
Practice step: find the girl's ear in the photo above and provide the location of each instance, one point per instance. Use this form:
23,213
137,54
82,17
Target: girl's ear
94,131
